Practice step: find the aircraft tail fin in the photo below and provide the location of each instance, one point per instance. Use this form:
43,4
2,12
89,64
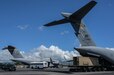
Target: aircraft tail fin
83,36
51,61
13,51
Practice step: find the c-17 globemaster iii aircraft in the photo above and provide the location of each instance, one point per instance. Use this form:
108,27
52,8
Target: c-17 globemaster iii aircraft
88,47
34,64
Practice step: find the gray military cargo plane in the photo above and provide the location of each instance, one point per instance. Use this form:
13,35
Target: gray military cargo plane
19,58
17,55
88,47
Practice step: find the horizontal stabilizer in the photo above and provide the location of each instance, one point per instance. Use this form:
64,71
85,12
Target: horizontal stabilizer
56,22
78,15
75,17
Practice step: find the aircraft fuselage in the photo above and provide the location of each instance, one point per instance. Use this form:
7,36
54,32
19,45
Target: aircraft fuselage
107,54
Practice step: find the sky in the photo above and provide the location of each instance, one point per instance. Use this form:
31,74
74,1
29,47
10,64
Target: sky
21,23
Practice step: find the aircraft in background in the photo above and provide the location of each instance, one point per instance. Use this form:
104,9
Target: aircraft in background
88,47
54,64
20,59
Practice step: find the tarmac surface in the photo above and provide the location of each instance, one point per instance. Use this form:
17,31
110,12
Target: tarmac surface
39,72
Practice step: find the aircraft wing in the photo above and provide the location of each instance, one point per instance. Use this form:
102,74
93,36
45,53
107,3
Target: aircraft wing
21,61
56,22
83,11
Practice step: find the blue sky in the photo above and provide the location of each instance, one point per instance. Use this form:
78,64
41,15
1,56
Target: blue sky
21,23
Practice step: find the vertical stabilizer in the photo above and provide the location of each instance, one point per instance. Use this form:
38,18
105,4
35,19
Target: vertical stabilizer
84,37
76,21
13,51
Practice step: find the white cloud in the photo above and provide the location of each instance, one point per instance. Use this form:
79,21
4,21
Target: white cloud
22,27
41,28
43,52
53,51
64,32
